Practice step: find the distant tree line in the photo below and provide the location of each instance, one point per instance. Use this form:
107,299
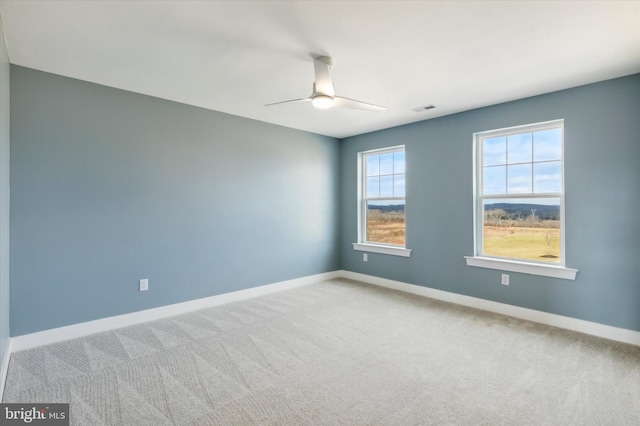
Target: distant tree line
541,211
387,209
528,215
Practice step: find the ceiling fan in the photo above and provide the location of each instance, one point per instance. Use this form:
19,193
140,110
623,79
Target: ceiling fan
323,95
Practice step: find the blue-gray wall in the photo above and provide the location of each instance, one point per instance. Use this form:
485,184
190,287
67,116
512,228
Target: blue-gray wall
602,183
109,187
4,195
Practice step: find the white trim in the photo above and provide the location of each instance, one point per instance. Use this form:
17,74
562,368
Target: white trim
4,368
375,248
378,151
523,267
46,337
568,323
480,197
532,127
363,199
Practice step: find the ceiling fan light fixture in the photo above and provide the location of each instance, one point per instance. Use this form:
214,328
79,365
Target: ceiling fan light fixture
322,101
323,95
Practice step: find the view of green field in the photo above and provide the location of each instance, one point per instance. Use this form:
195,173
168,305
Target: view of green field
537,240
521,242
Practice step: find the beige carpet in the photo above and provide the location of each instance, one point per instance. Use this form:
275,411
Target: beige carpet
335,353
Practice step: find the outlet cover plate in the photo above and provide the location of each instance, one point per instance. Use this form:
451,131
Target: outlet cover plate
505,279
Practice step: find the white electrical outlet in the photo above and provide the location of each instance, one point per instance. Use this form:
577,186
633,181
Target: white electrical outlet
505,279
365,257
144,284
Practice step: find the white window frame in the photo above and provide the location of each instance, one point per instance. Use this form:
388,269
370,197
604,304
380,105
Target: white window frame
479,259
363,244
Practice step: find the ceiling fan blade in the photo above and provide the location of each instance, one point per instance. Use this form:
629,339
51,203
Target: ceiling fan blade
340,102
323,95
323,83
289,102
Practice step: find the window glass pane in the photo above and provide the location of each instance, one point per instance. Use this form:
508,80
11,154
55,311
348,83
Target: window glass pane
398,185
519,179
386,222
373,186
519,148
494,151
522,229
547,177
386,164
495,180
386,186
547,145
398,162
373,165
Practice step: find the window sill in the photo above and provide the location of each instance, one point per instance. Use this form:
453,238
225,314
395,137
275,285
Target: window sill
374,248
523,267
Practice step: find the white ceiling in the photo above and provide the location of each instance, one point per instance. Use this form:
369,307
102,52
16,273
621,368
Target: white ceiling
236,56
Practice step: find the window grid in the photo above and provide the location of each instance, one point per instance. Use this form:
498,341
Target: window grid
379,176
397,192
533,193
506,165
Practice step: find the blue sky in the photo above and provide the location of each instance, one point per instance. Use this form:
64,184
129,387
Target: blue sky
386,175
523,163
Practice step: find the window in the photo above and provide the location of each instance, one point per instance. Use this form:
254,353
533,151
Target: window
381,201
519,187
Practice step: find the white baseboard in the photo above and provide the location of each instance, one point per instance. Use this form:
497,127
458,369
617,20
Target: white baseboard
4,368
46,337
55,335
568,323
